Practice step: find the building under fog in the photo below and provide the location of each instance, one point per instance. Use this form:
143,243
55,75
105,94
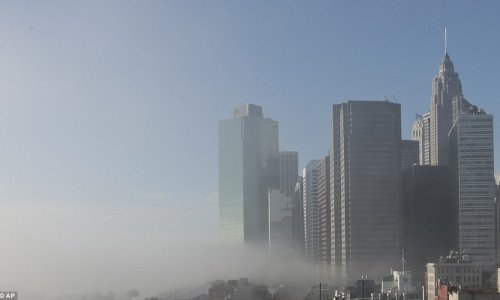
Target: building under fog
457,270
324,218
248,168
281,238
311,212
280,223
365,154
298,219
316,205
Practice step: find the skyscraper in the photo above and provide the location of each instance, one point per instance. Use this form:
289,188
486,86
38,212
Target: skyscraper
447,103
324,212
248,168
421,132
298,218
472,158
281,239
365,155
311,211
289,171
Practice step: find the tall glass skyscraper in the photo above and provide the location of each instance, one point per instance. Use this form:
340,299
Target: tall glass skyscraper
248,168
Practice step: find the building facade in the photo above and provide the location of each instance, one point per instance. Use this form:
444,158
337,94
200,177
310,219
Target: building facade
429,222
473,168
365,154
248,168
447,103
289,171
280,223
421,132
298,218
311,212
454,269
324,218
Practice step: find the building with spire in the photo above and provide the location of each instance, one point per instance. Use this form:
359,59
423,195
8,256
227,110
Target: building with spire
456,134
447,103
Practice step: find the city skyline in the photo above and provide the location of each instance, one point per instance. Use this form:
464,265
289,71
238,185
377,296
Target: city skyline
106,106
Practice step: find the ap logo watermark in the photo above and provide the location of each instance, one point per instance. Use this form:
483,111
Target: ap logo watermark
8,295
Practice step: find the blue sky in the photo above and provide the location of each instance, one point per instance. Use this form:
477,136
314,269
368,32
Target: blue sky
116,104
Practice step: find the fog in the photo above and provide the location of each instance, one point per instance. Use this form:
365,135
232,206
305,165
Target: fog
55,250
109,114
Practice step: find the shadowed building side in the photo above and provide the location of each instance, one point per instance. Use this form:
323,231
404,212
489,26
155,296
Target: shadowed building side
429,220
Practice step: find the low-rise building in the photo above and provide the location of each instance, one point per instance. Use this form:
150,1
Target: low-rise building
399,282
455,270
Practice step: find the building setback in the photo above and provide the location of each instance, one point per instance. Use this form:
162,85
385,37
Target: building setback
365,153
335,197
248,168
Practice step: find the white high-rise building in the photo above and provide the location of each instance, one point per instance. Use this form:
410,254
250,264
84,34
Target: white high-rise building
421,133
289,171
447,103
472,161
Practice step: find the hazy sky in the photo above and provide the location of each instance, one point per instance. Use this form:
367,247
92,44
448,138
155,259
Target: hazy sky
109,110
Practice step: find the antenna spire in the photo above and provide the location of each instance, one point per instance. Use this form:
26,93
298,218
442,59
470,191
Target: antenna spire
445,41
